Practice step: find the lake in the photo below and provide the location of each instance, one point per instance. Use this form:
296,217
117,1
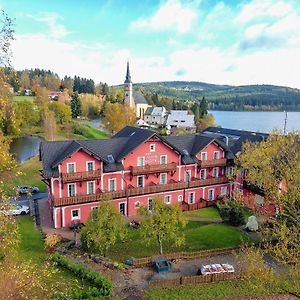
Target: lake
260,121
24,148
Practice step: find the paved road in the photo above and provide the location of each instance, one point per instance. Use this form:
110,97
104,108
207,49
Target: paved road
24,199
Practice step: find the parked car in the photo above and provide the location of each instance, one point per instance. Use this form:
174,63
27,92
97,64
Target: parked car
25,189
16,209
215,269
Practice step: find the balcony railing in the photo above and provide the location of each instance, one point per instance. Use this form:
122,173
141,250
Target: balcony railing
138,191
80,176
148,169
213,163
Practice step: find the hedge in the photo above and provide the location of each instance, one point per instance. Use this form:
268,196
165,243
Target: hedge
102,284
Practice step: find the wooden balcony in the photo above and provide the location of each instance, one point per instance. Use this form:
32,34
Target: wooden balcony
213,163
139,191
80,176
150,169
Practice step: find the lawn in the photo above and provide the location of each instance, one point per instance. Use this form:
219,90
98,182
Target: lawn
22,98
30,174
208,212
32,248
230,289
198,236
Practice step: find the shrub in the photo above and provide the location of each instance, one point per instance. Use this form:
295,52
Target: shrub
102,284
51,241
231,213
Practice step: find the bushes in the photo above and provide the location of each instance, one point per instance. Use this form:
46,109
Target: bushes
99,283
231,213
51,241
89,293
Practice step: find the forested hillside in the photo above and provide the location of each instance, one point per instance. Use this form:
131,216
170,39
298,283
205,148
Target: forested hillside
225,97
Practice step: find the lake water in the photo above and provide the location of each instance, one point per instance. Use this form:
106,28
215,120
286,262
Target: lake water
24,148
260,121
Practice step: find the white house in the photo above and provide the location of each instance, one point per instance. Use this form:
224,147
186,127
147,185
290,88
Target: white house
156,115
180,119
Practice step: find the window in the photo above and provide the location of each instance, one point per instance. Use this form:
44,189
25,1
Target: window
203,155
140,161
140,181
180,198
215,172
188,175
163,178
91,187
191,198
223,190
216,154
211,194
75,214
90,166
229,171
150,204
168,199
203,174
94,212
71,168
122,209
163,159
112,185
152,147
72,189
137,204
95,208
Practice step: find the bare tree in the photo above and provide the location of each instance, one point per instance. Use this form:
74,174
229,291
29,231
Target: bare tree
6,36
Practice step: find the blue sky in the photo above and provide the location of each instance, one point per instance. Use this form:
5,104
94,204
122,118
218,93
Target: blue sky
224,42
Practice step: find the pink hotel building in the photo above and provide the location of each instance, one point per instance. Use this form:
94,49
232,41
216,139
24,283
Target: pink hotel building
132,168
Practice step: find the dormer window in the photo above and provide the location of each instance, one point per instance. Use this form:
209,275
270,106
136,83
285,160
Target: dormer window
110,158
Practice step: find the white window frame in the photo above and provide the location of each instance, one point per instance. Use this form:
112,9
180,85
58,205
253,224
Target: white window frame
203,153
75,189
215,172
190,175
223,191
75,218
161,176
115,184
218,154
94,208
137,161
166,159
137,181
204,170
87,163
169,197
72,163
180,198
194,197
87,187
213,194
152,147
229,171
125,208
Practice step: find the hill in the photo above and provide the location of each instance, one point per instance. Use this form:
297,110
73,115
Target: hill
227,97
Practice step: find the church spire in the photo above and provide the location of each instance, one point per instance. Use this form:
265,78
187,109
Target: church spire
128,77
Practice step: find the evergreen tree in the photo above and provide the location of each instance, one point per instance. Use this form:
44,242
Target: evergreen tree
174,105
75,105
203,106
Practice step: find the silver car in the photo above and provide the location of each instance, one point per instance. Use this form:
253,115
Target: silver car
25,189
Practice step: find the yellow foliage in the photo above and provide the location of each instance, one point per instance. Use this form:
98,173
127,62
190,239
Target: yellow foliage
51,241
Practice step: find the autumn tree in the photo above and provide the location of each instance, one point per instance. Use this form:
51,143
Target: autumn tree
49,125
117,116
274,166
27,113
6,36
104,227
163,224
91,105
207,121
75,105
62,112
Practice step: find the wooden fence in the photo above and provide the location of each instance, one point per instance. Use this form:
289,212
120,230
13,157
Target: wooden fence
192,280
140,262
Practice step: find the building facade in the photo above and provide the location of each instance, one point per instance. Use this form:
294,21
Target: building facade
130,169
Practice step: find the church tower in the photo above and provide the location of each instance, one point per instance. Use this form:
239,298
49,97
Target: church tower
128,89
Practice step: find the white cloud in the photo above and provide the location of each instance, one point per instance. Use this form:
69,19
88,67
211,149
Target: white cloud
51,19
172,15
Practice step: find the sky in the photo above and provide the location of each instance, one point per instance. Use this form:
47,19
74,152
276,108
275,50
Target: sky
222,42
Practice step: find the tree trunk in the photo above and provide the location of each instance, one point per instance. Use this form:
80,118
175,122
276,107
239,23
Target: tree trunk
160,245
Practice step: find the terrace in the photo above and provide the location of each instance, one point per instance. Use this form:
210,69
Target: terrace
150,169
213,163
80,176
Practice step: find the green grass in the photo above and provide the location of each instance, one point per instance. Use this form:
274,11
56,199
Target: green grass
208,212
22,98
198,235
89,132
223,290
30,174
